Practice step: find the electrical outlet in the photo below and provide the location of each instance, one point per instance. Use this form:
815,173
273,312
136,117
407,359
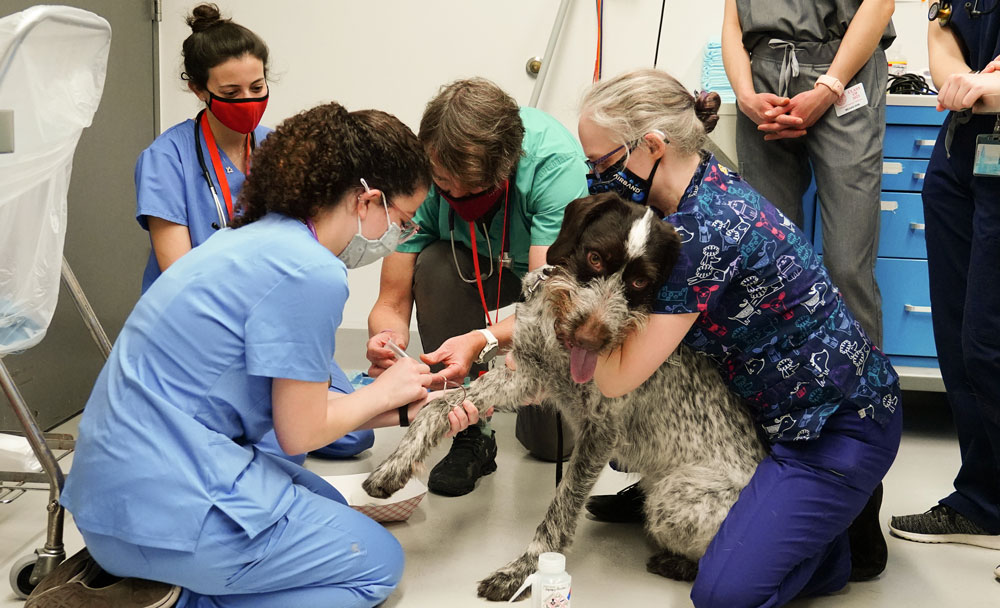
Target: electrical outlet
6,131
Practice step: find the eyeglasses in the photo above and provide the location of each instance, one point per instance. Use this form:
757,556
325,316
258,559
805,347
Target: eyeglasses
408,228
602,170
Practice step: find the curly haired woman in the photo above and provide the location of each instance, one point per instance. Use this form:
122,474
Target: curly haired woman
236,339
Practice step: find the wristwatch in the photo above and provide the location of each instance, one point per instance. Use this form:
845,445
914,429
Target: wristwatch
831,83
490,350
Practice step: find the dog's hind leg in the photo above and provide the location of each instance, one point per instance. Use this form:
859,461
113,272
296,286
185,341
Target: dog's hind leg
594,443
684,510
502,389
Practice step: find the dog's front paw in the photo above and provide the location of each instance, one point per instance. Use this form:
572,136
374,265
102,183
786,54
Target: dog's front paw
386,479
502,584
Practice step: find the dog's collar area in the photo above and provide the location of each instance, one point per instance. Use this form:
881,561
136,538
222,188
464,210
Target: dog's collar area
544,273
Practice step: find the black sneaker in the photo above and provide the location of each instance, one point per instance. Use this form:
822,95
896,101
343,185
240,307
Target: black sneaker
625,507
942,524
472,455
868,549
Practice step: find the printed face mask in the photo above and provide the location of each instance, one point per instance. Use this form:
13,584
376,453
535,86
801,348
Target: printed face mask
361,251
240,115
472,207
627,184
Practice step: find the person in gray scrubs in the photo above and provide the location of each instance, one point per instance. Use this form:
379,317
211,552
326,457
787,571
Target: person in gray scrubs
789,63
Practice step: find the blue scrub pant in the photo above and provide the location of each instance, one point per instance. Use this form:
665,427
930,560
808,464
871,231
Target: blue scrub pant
786,536
962,215
320,553
348,446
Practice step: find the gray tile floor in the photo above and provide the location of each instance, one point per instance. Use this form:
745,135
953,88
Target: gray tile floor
451,543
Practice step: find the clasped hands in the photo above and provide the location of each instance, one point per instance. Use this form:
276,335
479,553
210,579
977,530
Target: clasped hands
787,118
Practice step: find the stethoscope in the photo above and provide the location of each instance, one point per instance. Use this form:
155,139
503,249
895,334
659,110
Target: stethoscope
942,11
505,260
223,215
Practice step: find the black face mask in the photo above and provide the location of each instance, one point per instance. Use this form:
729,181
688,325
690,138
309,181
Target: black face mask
627,184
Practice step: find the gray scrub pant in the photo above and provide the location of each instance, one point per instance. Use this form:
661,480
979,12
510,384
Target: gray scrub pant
845,154
447,306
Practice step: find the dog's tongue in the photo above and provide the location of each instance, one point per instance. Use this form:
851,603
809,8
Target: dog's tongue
582,364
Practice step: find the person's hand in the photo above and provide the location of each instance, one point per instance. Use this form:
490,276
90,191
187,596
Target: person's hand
457,355
460,417
406,381
992,66
762,107
381,357
808,106
962,91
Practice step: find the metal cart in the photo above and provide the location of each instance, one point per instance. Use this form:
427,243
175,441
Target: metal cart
53,60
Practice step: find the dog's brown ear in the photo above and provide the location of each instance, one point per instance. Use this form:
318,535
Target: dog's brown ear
671,246
579,214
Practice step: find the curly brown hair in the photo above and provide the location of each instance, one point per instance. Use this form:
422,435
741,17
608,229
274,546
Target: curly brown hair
474,130
315,157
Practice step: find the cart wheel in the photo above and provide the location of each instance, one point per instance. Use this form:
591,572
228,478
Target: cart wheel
20,573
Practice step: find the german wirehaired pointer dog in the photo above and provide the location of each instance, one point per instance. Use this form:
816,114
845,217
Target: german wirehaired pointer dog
691,440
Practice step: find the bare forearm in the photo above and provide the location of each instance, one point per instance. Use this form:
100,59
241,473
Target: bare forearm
861,39
735,58
392,317
944,54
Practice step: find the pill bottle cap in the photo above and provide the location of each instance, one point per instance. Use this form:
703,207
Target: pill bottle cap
551,562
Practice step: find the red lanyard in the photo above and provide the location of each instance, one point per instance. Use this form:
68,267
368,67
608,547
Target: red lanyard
475,260
220,173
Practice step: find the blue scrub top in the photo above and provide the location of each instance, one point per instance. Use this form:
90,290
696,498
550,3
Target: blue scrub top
169,184
168,431
769,316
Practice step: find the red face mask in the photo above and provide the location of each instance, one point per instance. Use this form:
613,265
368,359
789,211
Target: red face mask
240,115
473,206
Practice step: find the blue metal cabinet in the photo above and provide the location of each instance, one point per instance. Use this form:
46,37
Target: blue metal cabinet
901,270
912,126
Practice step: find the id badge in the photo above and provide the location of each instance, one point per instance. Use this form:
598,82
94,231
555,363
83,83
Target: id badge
987,162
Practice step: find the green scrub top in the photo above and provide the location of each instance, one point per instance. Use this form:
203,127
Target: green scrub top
550,174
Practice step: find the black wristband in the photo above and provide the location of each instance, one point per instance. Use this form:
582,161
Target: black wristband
404,417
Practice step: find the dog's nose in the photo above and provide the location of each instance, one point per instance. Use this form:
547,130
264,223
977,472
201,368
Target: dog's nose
591,335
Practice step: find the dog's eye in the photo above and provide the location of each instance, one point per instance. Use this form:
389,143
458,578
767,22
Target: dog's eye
594,259
639,283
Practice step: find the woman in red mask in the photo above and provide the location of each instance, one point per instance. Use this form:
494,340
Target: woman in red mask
188,180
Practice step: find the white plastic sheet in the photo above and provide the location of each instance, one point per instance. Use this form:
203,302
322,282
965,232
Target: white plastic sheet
53,61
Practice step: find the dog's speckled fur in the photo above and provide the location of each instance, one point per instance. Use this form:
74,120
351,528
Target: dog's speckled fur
690,439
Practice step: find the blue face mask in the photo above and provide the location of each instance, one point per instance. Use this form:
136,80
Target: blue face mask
627,184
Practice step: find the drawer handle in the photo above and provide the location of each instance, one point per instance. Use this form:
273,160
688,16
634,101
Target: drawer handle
916,226
924,142
919,175
912,308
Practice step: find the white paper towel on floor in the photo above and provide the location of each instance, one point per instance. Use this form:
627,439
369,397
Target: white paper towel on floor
16,455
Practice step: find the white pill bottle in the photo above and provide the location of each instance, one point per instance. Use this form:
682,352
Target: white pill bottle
551,586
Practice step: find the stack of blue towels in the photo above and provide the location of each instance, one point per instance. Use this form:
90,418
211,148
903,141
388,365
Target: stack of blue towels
713,74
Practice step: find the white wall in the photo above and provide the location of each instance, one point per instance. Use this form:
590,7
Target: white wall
395,54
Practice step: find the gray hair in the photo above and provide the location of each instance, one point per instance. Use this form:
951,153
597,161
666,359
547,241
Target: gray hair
639,102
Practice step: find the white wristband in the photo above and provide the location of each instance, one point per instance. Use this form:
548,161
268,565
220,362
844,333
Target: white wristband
831,83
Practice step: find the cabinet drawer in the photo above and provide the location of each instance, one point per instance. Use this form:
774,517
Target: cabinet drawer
909,141
903,174
906,307
901,233
913,115
901,226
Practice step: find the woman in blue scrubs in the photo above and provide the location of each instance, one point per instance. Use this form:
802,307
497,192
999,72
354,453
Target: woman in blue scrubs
185,187
235,339
225,66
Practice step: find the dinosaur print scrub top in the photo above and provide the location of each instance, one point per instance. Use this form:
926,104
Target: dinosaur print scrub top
769,316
